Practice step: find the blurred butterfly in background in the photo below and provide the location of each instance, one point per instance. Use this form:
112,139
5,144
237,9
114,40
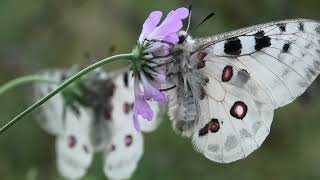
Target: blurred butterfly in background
223,89
93,115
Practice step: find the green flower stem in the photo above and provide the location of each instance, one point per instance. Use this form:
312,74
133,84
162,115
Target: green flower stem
65,84
24,80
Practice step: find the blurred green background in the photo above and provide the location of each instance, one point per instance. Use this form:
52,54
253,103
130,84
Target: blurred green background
43,34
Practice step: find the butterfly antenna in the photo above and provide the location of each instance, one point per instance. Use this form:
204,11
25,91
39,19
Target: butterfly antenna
203,21
189,20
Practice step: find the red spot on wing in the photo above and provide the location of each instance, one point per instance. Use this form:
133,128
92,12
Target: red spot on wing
214,125
72,141
128,140
127,107
201,56
227,73
108,113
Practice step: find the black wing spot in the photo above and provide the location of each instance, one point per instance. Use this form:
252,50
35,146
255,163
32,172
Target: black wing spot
113,147
259,33
126,79
282,27
243,75
285,47
301,26
85,148
203,131
262,41
203,93
233,46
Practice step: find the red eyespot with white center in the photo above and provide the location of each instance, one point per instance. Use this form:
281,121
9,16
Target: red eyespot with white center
214,125
239,110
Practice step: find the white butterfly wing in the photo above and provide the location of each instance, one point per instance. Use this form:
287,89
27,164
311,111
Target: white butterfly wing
126,149
251,72
124,99
73,148
51,112
283,56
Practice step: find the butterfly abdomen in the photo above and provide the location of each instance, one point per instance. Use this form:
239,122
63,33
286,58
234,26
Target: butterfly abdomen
185,114
184,101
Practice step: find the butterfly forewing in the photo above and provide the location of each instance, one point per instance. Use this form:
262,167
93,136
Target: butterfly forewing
283,56
251,72
51,112
123,100
122,156
125,151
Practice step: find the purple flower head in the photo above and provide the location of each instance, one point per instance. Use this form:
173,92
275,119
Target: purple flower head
155,45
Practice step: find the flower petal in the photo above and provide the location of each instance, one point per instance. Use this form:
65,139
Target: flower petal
150,24
143,109
170,26
182,12
150,92
173,38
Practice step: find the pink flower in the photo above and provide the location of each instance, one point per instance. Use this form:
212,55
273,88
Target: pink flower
156,42
167,30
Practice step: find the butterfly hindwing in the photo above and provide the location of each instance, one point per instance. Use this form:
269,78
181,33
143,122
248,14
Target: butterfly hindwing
222,134
125,151
126,148
73,148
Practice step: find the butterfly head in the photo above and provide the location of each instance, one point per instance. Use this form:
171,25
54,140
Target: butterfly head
184,38
184,45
